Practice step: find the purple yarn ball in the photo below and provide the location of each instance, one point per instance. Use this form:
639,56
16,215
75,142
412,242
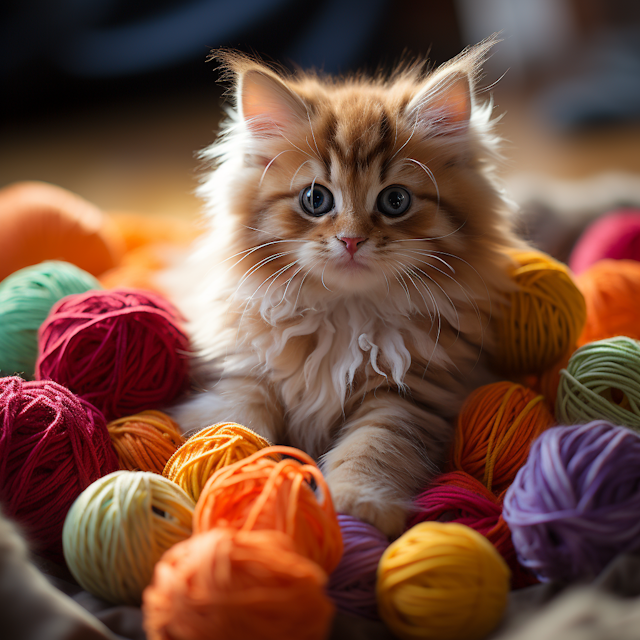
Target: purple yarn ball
575,504
352,585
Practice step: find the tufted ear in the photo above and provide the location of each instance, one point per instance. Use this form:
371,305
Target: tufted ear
267,105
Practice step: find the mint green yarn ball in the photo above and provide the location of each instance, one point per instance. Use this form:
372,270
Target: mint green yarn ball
26,297
601,382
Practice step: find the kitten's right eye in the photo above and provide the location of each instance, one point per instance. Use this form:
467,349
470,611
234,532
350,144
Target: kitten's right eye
317,203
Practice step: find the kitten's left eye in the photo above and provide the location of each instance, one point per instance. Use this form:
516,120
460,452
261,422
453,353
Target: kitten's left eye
316,200
394,201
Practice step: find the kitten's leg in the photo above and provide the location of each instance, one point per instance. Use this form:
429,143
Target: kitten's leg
246,401
387,452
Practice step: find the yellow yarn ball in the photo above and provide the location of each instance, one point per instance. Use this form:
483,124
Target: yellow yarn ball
442,581
209,450
119,527
542,320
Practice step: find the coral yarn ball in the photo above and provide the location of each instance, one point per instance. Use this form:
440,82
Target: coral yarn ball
542,319
123,351
611,290
352,585
574,506
236,585
26,298
39,221
145,441
601,381
209,450
52,446
266,492
614,236
118,529
442,581
495,429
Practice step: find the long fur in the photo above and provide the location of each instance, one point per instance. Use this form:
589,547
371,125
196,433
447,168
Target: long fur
362,361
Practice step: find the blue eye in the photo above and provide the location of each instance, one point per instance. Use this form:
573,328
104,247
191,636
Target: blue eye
317,203
394,201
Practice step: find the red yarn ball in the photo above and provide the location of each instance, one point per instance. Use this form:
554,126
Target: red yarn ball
53,445
615,236
459,497
122,350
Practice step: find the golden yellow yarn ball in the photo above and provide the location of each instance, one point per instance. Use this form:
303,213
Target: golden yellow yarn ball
542,319
209,450
442,581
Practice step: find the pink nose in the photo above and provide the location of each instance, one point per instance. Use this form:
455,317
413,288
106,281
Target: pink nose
352,244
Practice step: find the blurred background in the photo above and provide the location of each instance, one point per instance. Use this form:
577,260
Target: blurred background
113,98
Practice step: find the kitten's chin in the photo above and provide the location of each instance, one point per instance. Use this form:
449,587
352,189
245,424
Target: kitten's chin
353,277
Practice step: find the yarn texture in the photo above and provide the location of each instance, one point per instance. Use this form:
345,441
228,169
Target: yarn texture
119,528
601,381
145,441
442,581
352,585
495,429
236,585
26,297
265,492
209,450
574,505
52,446
123,351
542,319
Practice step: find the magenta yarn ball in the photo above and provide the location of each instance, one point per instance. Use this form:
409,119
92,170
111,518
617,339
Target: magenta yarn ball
615,235
53,445
122,350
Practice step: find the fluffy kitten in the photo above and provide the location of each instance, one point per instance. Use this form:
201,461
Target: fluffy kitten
344,286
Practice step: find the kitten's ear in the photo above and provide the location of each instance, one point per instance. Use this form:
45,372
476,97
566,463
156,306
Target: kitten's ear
267,105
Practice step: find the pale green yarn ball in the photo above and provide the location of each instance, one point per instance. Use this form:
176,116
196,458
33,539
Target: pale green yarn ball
26,297
118,529
601,381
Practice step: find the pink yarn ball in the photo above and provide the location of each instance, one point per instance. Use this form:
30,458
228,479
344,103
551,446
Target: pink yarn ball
123,350
53,445
615,235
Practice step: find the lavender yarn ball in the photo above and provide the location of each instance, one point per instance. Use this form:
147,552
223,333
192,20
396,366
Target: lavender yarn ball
575,504
352,585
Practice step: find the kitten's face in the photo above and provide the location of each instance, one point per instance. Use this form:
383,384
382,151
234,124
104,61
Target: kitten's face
361,185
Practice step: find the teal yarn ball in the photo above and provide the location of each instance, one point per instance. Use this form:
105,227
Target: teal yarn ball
26,297
601,382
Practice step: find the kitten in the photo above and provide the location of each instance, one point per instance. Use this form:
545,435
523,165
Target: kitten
344,286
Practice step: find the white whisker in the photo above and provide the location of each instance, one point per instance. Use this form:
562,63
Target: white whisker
270,163
296,173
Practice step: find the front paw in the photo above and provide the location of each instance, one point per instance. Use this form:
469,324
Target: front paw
376,505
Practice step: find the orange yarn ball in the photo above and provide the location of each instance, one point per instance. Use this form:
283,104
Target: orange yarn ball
39,221
542,319
262,492
496,427
236,585
611,289
208,451
145,441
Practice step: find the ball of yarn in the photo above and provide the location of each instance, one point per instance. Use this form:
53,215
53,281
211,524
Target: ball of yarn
458,497
236,585
26,297
611,290
40,221
495,429
614,236
209,450
442,581
118,529
574,506
352,585
601,381
145,441
52,446
540,320
123,351
265,492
